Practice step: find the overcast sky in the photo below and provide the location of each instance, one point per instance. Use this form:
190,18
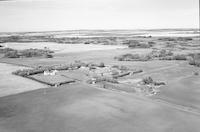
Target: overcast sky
41,15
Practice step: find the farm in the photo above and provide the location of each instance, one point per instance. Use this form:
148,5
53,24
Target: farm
106,82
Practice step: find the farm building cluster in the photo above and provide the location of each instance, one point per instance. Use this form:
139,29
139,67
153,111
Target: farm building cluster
105,76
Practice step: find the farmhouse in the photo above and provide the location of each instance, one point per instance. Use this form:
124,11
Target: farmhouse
51,73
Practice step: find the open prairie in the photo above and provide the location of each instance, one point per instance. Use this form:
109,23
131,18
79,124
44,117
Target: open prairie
123,81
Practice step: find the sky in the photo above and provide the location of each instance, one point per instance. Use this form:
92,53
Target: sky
48,15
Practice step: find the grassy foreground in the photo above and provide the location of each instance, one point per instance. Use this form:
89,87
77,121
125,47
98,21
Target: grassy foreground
81,108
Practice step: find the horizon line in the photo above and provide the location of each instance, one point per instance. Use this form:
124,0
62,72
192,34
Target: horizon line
43,31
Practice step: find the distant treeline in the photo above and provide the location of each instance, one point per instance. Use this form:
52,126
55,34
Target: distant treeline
12,53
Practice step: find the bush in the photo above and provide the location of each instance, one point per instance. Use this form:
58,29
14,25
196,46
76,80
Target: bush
34,52
169,45
133,57
41,69
174,57
130,42
167,39
147,80
196,56
195,63
184,39
196,73
11,54
176,39
101,64
5,50
140,45
195,59
159,83
167,58
87,42
180,57
191,61
78,62
48,56
61,67
137,44
151,43
20,73
161,53
98,80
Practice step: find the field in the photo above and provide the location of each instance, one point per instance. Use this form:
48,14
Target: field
111,97
81,108
11,84
62,48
